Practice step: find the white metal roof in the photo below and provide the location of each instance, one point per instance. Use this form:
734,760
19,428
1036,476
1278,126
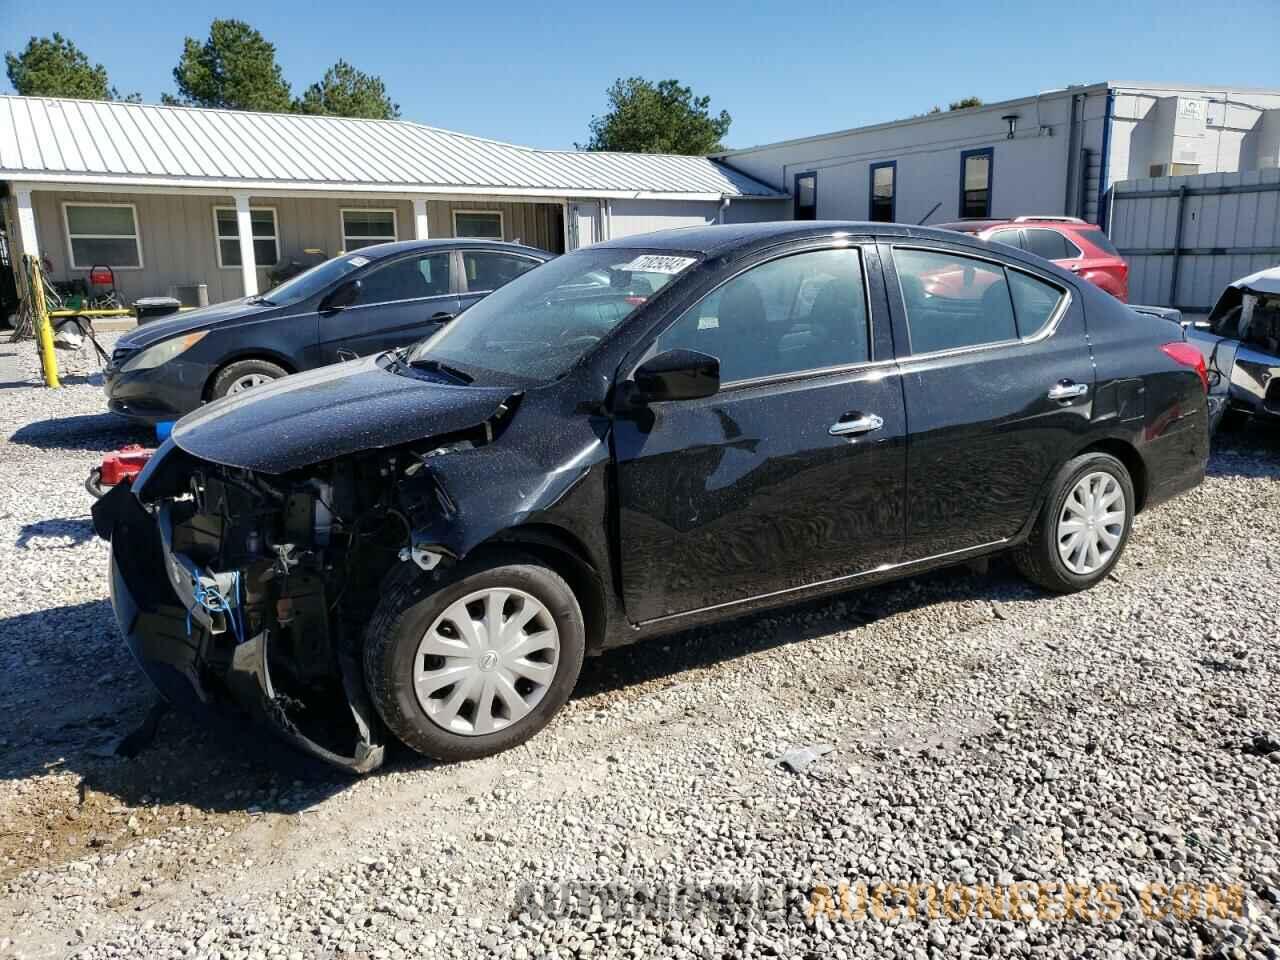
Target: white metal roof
130,144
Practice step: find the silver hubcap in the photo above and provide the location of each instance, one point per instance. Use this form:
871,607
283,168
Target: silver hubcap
486,662
248,381
1092,523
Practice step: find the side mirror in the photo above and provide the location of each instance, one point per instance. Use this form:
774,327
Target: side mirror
677,375
344,296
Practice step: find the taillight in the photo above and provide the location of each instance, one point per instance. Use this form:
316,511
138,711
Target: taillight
1187,355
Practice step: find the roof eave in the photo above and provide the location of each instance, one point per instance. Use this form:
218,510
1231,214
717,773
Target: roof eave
153,184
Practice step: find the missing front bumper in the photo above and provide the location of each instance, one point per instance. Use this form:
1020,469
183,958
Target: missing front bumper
204,672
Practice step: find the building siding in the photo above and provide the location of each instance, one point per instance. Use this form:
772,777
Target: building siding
1030,170
176,233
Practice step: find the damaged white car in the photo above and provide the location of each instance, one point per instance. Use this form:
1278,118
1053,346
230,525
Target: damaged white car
1241,344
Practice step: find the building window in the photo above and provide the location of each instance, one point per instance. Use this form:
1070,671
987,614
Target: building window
884,181
485,224
975,182
806,196
266,245
363,228
102,233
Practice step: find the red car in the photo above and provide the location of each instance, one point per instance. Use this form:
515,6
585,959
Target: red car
1070,242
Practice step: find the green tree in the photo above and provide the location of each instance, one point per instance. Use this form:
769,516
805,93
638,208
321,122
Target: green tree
347,92
56,67
644,117
965,103
234,68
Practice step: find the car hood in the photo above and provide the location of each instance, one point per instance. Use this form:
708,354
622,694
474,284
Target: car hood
157,330
328,413
1264,281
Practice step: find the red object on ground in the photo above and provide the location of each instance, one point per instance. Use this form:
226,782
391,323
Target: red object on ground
125,464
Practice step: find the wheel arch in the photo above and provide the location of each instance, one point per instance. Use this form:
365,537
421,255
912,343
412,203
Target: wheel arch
568,556
249,353
1128,454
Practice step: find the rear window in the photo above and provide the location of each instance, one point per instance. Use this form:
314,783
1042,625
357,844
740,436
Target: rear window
1100,240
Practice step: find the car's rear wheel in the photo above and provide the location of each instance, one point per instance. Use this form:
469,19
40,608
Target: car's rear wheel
476,660
1083,526
245,375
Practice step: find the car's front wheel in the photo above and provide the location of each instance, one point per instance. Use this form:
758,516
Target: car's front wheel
1083,526
476,660
245,375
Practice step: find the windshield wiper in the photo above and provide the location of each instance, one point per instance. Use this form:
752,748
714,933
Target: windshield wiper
264,300
435,366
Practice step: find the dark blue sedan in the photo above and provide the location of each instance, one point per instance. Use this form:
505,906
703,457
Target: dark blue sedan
376,299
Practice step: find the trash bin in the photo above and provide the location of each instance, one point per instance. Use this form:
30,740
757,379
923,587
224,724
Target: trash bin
152,308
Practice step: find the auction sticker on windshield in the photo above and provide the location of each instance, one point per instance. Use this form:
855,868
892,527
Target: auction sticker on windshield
653,263
357,261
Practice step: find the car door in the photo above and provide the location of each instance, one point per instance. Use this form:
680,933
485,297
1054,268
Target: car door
399,302
483,271
998,380
793,473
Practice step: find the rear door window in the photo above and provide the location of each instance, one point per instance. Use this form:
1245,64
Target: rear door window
953,301
488,270
1011,237
1051,245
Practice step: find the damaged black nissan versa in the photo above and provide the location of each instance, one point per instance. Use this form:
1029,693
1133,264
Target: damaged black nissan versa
638,437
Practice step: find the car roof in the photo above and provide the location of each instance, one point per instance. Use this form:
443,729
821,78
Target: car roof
977,226
730,239
378,250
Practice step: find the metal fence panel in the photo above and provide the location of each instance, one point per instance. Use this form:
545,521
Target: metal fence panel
1187,237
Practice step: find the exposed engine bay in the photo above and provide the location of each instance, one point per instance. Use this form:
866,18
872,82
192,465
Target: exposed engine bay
272,580
1241,343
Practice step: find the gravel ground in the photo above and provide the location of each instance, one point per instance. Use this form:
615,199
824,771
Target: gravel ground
1090,752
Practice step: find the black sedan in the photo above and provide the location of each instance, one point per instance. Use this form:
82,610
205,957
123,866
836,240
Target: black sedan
639,437
376,299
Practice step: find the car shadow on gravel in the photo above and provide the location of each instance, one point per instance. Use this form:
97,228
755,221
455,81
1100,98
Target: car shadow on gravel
1251,451
67,532
74,694
704,647
96,432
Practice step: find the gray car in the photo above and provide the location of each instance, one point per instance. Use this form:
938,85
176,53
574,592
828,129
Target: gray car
1241,344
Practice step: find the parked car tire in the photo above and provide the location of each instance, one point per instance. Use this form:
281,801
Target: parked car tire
1083,526
244,375
440,681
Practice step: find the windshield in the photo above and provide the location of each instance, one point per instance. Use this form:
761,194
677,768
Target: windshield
540,324
312,281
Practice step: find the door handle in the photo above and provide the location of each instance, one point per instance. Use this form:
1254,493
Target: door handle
1067,390
441,317
860,423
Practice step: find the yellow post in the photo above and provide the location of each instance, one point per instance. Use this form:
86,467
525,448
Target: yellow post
44,332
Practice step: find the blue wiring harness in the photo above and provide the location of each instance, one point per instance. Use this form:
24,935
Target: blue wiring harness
213,600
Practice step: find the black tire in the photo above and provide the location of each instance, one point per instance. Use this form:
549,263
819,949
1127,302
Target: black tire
411,602
232,372
1038,559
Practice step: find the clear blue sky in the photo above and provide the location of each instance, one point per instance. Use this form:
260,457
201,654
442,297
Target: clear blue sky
535,72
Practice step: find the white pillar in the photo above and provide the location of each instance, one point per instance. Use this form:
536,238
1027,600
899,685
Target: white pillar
568,231
244,229
421,229
27,223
